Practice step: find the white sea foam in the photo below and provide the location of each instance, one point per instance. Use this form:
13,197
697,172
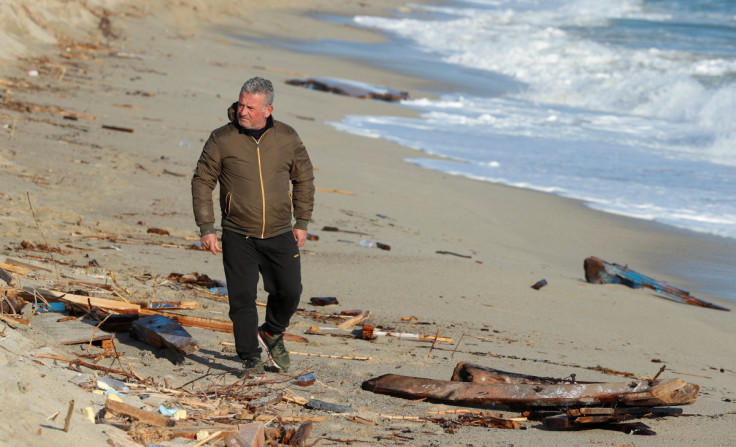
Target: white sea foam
637,126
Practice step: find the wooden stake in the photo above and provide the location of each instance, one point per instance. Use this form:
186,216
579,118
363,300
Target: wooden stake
457,345
434,342
68,416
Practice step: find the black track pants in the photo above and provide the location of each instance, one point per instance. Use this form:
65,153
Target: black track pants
277,260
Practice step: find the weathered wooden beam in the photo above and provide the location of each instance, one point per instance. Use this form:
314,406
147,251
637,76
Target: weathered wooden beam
598,271
521,395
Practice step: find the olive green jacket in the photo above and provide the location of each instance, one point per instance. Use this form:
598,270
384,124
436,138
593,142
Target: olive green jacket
263,183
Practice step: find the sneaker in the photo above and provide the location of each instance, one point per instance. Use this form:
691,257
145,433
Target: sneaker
251,366
278,356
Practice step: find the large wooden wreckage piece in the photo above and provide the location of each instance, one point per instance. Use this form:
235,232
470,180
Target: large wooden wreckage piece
598,271
524,392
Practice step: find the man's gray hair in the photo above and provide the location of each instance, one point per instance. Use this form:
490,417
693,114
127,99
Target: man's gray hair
258,85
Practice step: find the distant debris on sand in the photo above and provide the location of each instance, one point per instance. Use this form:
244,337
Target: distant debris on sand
347,87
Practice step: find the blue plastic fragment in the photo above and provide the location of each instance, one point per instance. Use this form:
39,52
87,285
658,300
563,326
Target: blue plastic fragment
167,411
51,307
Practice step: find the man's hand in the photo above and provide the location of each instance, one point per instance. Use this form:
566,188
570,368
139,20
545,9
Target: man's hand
209,243
300,236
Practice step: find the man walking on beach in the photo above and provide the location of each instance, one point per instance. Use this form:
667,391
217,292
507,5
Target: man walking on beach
266,178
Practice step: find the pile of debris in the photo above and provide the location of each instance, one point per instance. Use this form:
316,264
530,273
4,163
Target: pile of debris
260,409
560,403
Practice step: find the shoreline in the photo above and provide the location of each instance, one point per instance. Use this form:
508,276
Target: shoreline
95,192
694,272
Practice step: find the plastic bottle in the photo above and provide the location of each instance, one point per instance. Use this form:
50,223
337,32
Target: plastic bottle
366,243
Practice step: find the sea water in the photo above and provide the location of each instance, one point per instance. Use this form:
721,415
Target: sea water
628,105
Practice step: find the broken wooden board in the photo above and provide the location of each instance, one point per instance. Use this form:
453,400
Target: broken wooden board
576,418
162,332
347,87
598,271
84,302
529,396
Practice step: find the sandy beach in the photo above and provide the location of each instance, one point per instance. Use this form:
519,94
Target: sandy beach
167,71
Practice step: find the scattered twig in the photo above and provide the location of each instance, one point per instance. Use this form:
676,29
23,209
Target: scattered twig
442,252
457,345
48,247
329,356
119,129
661,370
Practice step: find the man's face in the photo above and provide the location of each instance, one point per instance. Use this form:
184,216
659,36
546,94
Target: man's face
252,114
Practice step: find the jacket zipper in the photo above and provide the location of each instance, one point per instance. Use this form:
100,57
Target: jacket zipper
263,188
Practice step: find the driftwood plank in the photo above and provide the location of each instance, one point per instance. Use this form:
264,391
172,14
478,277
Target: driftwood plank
633,393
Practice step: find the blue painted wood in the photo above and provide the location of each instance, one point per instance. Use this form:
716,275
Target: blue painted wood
598,271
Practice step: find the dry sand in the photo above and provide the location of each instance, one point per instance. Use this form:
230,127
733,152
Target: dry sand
86,183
